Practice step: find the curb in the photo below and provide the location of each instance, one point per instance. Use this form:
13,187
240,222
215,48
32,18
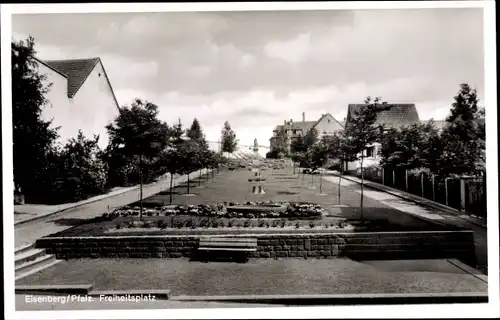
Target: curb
347,299
426,203
39,217
473,272
54,289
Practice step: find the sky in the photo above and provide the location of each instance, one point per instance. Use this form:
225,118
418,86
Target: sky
256,69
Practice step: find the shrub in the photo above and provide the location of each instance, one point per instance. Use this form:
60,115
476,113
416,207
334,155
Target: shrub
267,224
118,226
312,224
188,223
230,223
275,223
297,225
162,224
283,223
247,223
214,223
194,225
260,223
342,224
204,223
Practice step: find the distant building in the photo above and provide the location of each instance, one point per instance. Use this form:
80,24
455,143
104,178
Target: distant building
397,116
81,97
326,124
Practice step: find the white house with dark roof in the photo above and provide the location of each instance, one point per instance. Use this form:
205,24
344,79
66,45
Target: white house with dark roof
326,124
80,97
397,116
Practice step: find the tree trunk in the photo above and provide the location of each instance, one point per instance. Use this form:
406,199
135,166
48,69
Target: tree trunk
171,184
293,167
362,182
321,182
188,185
199,179
140,186
340,178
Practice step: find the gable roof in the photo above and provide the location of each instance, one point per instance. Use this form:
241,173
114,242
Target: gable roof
306,125
299,125
397,115
76,70
326,115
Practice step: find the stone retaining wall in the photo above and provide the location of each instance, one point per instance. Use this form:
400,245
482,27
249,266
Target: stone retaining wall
366,246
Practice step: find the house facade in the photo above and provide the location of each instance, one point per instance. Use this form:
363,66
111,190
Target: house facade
80,98
397,116
326,124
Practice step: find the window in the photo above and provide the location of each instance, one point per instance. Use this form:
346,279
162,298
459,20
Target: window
294,132
370,152
328,120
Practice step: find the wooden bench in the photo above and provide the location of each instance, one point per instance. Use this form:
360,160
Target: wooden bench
237,248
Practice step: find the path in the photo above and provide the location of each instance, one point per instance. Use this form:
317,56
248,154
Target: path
410,207
30,232
263,276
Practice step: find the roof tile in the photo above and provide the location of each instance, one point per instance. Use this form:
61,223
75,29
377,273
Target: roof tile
397,115
76,70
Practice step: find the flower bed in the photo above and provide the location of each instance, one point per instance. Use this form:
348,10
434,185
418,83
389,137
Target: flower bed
283,210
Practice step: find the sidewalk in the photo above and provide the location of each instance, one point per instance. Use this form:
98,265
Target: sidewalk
422,208
31,231
419,200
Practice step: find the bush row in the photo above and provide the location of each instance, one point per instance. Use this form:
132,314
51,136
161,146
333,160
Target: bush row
192,223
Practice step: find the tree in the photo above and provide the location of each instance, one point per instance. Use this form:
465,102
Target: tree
33,137
337,148
177,133
137,136
188,154
310,138
228,138
195,132
172,162
318,158
297,150
361,131
81,171
281,143
463,135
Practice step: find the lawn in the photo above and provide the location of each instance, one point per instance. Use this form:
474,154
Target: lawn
262,276
233,186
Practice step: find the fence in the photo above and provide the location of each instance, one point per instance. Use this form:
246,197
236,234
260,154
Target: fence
465,194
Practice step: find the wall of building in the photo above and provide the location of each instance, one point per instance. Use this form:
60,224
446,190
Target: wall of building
328,125
95,106
90,110
57,109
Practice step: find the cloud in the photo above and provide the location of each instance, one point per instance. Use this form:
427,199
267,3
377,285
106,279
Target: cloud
255,69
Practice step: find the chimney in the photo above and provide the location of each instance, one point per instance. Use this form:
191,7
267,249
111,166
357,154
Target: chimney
291,121
303,117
